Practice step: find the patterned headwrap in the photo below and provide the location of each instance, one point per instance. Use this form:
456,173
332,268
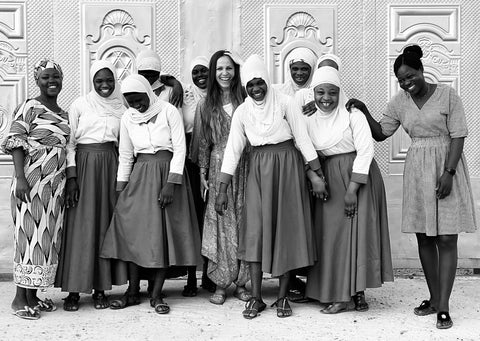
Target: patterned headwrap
46,64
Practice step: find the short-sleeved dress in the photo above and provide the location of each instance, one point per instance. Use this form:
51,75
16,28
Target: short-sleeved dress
431,129
43,136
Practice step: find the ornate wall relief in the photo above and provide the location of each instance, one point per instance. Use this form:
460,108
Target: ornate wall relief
436,29
115,32
13,60
287,28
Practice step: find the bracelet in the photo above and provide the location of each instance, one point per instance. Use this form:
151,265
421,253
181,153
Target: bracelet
450,171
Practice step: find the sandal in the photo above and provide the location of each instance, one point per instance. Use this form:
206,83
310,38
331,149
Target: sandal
443,320
100,301
71,302
338,307
189,291
27,313
242,295
218,299
425,308
46,305
128,299
360,303
160,306
253,307
283,308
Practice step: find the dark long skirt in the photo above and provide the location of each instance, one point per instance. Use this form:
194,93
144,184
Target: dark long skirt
80,267
144,233
277,228
353,254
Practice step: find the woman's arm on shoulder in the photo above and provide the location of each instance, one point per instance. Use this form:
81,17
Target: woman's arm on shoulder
375,127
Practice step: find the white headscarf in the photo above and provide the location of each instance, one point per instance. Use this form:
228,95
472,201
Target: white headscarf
193,93
149,60
111,105
332,57
263,115
299,54
139,84
330,127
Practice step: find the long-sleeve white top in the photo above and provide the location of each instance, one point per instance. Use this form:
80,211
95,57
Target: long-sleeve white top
89,127
163,132
288,125
357,137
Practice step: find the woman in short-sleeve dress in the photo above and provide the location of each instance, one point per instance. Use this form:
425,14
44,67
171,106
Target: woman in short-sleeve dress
437,195
37,141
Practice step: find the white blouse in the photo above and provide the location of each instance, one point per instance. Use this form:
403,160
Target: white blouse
357,137
163,132
89,127
289,126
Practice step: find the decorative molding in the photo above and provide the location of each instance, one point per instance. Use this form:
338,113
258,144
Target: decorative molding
115,32
436,29
13,24
287,28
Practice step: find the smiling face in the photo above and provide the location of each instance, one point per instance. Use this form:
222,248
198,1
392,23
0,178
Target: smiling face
411,80
104,83
300,72
200,76
224,72
326,96
138,100
257,89
50,82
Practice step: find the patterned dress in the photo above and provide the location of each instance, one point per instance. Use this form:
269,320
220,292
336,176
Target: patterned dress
43,135
221,233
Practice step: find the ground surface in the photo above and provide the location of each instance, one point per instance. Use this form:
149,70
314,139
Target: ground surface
390,317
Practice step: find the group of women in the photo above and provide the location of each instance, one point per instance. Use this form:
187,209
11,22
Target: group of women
255,177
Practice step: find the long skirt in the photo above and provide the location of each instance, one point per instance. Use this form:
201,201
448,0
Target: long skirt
353,254
144,233
422,212
277,229
80,267
39,222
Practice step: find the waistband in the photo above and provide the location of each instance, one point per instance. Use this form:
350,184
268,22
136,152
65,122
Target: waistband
96,147
285,145
443,140
161,155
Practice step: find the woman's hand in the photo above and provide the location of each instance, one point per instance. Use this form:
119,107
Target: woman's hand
176,97
309,109
166,195
319,187
444,185
221,202
72,192
22,189
203,186
356,103
350,199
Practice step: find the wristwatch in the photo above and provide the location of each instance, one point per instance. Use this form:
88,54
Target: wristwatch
450,171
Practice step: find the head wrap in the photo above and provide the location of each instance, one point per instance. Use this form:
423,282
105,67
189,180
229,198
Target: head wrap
111,105
46,64
139,84
149,60
263,115
200,60
299,54
332,57
329,127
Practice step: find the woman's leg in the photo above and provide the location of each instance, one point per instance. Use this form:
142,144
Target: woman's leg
157,302
447,255
283,285
133,278
255,304
283,307
428,252
20,299
100,301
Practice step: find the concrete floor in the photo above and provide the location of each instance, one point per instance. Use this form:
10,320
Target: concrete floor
390,317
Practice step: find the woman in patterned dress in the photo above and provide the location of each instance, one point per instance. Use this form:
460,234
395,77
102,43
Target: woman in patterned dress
220,233
37,140
437,195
